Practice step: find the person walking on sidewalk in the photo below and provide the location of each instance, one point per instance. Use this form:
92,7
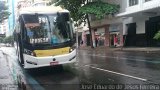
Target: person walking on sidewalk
96,40
115,41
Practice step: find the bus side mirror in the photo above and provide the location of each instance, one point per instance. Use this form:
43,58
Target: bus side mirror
62,17
65,16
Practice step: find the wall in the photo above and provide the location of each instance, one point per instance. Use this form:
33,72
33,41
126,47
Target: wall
105,21
139,14
140,22
123,5
141,6
125,22
3,27
150,4
140,27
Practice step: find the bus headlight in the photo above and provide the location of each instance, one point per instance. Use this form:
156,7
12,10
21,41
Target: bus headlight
72,48
29,52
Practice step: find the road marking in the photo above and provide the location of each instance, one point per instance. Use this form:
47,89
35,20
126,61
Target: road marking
129,59
138,78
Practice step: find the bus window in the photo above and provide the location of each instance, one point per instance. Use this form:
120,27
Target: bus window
47,28
37,31
61,28
30,18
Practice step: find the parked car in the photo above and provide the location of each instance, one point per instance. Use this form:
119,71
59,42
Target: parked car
8,45
2,45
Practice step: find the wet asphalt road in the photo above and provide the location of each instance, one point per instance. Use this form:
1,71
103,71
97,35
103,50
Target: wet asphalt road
128,69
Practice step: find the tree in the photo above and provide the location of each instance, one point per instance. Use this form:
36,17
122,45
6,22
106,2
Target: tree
73,6
157,36
1,40
4,14
99,9
80,10
9,39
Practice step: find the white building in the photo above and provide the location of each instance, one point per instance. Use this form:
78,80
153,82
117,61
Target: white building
141,20
108,28
40,2
4,27
2,31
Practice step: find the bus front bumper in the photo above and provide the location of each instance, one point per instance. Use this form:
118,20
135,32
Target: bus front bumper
36,62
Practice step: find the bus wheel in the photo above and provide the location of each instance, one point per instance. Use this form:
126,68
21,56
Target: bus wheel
21,84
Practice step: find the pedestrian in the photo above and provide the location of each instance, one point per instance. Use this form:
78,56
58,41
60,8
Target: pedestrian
96,40
115,41
54,39
81,42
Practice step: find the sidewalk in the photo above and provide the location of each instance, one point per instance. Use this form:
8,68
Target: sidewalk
6,81
133,49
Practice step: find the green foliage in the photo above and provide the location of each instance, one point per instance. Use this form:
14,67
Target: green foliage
157,36
1,40
51,2
78,12
99,8
2,6
8,39
79,8
73,6
4,14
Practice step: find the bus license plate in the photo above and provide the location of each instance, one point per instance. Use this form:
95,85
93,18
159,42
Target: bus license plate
54,63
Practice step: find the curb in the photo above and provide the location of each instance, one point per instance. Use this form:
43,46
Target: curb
148,50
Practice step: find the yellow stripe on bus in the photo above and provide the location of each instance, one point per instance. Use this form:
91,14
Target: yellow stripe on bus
52,52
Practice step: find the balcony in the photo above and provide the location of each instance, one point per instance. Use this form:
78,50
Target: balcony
151,4
142,6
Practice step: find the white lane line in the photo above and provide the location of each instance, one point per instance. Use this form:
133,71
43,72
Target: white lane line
117,73
123,58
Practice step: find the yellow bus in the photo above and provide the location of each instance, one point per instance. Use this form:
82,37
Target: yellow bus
44,36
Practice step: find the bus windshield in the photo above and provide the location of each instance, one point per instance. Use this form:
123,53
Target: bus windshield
47,29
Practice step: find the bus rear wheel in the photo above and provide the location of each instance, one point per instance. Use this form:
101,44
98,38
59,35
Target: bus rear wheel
20,57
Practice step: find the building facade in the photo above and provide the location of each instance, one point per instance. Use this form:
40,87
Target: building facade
141,21
4,27
109,30
11,19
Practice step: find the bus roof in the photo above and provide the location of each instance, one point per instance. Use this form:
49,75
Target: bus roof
42,10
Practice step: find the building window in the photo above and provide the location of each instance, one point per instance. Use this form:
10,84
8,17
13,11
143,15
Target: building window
147,0
133,2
